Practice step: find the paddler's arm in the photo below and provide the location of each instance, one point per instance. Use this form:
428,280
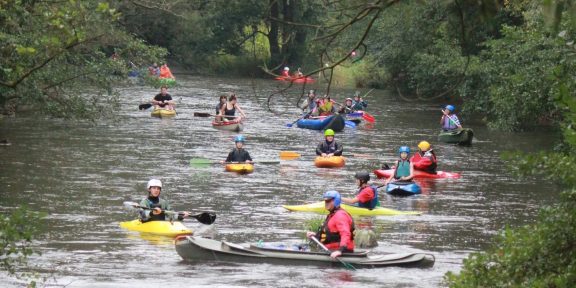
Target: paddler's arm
319,150
240,110
350,200
339,149
248,158
144,214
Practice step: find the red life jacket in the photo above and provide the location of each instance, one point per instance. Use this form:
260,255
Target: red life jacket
337,230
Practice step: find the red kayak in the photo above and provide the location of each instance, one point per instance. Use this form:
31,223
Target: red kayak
296,80
418,174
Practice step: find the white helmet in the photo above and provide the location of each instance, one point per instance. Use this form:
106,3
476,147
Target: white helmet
154,183
286,69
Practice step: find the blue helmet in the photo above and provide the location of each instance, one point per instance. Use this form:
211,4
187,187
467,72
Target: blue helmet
239,138
404,149
333,194
450,108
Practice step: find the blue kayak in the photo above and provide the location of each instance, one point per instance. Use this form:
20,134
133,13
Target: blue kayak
334,122
403,188
355,117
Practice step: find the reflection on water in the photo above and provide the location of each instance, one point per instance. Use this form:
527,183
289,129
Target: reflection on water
80,173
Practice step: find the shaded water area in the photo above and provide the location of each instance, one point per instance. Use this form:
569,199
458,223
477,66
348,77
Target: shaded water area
80,173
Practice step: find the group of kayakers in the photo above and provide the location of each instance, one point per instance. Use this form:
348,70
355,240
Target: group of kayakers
226,109
325,106
297,74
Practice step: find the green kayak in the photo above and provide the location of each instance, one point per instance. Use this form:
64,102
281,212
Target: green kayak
459,136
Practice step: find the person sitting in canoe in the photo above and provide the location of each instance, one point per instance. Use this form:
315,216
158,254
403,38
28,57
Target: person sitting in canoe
309,106
157,205
163,100
449,121
239,154
286,73
358,104
425,158
228,110
337,231
347,107
325,106
299,73
404,170
329,147
221,103
154,70
367,196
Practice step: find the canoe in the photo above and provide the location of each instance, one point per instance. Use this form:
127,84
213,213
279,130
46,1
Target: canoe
459,136
163,228
234,125
296,80
329,162
194,248
355,117
240,168
403,188
318,207
418,174
334,122
162,113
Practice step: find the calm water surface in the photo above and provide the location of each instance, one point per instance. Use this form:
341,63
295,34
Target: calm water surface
80,173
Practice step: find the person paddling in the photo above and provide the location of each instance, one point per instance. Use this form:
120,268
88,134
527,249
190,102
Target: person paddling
337,231
228,110
299,73
449,121
286,72
163,100
239,154
309,106
221,103
347,107
157,205
425,158
358,104
367,196
329,147
404,170
326,106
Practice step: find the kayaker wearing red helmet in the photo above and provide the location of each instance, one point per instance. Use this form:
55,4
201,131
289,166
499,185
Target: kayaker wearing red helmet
367,196
337,232
425,158
329,147
157,205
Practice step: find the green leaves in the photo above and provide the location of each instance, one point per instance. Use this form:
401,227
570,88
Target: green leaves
17,231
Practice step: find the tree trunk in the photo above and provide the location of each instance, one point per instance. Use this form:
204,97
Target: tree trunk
275,57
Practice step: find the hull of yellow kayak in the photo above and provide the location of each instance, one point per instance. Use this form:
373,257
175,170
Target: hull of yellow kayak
163,228
318,207
329,162
163,113
241,168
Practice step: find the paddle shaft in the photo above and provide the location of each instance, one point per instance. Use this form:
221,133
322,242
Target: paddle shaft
204,217
201,114
347,265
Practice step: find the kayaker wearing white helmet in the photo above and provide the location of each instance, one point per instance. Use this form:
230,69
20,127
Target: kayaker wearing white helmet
329,147
449,120
239,154
286,72
337,232
404,170
157,205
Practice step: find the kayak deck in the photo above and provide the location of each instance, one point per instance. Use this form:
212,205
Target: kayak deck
240,168
163,228
318,207
329,162
418,174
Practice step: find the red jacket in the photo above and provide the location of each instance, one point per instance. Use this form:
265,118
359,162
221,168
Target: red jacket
426,162
337,231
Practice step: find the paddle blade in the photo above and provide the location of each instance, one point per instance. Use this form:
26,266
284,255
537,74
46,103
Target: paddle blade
289,155
205,217
200,163
200,114
289,125
350,124
144,106
368,117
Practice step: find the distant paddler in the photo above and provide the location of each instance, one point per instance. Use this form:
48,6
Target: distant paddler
163,100
449,120
238,154
228,110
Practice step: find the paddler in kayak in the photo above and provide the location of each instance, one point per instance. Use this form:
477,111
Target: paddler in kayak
449,121
165,72
404,170
309,106
367,196
347,107
425,158
238,154
326,106
286,72
228,110
299,73
163,100
358,104
337,231
157,205
329,147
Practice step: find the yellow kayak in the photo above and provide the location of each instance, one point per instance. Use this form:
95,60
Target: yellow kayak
329,162
318,207
164,228
163,113
241,168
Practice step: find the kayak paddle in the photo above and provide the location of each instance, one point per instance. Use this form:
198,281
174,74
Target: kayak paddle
204,114
289,125
368,117
202,162
346,264
144,106
291,155
204,217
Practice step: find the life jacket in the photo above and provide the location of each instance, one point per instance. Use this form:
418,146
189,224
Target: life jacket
426,162
449,123
326,236
325,107
286,74
165,72
372,203
402,169
329,148
359,105
160,204
238,155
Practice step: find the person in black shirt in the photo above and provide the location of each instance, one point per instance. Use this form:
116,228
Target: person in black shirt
238,154
163,100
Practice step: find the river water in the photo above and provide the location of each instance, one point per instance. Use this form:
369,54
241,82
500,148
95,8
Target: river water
80,173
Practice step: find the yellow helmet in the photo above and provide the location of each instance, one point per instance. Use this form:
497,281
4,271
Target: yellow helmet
424,146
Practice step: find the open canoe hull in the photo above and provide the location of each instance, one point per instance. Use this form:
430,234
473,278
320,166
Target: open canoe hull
235,125
318,207
418,174
460,136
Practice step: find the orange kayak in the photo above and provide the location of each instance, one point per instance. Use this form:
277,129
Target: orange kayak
329,162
